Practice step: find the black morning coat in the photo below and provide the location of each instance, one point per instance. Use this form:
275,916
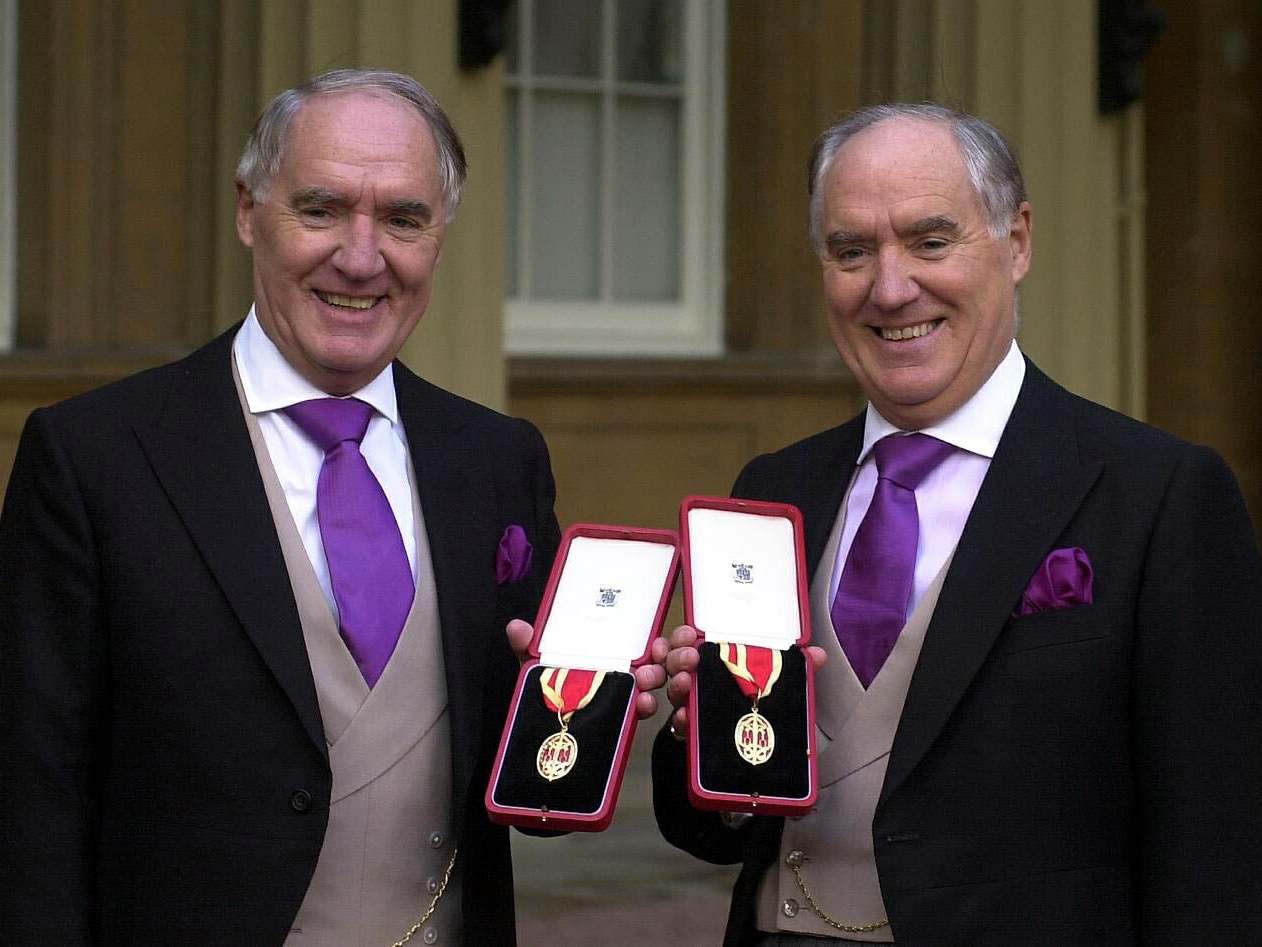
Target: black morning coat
1091,775
163,770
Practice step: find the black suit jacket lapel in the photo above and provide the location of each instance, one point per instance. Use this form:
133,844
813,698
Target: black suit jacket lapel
821,504
456,489
200,451
1034,485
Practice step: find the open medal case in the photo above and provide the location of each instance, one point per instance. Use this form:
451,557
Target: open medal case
751,742
605,601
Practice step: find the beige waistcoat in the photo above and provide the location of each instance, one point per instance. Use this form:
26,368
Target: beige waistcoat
389,837
855,730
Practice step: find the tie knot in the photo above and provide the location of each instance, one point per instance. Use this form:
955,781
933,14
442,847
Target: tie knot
332,421
907,460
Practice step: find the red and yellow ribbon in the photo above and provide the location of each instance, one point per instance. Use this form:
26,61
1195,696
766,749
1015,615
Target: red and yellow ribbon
567,690
756,669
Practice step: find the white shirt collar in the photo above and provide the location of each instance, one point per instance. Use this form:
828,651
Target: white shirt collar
977,424
271,383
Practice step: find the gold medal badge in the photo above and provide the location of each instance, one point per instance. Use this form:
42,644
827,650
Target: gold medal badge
566,691
756,671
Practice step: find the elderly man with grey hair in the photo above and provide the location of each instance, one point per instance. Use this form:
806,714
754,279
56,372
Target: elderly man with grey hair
252,604
1036,621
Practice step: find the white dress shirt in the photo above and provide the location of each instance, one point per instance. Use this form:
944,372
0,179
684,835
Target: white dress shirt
945,497
270,383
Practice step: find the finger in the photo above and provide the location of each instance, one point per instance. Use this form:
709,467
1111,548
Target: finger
650,677
519,634
682,660
645,705
678,687
685,636
659,649
817,655
679,724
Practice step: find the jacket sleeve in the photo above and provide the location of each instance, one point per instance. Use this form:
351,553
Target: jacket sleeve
52,696
705,835
1197,713
547,533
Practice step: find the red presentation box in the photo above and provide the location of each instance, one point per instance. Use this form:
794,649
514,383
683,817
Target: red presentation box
751,737
605,601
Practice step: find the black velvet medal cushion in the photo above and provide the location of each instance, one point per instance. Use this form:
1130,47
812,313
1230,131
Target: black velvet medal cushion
720,704
596,728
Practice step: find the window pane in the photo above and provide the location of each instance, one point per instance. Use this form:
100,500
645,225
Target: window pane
646,202
512,187
565,196
650,41
567,38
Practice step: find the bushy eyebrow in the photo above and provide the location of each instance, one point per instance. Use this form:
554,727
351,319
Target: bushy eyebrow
316,196
936,224
411,207
839,238
310,196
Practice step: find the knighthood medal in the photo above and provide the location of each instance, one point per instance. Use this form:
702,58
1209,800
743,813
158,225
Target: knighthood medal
567,691
756,671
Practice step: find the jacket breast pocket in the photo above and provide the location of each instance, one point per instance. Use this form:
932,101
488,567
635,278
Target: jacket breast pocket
1054,628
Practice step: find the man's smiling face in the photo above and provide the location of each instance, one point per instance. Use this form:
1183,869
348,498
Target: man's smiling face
920,294
347,236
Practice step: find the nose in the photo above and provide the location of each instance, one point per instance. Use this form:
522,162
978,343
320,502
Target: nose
358,255
893,285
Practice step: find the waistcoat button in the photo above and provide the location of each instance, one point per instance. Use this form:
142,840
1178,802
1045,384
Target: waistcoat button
430,936
432,886
436,840
790,908
794,859
300,801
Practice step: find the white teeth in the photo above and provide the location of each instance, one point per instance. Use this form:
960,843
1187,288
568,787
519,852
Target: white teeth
911,332
348,302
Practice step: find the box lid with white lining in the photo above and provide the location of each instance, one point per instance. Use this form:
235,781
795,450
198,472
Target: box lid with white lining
605,601
751,739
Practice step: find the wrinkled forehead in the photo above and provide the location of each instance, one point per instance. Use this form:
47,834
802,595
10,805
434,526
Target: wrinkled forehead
900,167
366,118
358,138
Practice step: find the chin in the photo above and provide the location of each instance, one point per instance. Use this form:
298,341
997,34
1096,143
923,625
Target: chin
912,390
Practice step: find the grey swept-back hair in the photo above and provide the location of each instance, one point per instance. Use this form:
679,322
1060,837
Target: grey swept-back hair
992,166
260,161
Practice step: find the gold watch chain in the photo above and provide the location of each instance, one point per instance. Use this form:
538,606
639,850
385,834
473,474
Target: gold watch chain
433,905
826,918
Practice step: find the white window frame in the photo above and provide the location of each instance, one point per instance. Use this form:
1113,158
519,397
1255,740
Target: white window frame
8,171
605,327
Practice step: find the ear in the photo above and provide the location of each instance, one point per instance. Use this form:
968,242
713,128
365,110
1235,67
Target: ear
1019,240
245,215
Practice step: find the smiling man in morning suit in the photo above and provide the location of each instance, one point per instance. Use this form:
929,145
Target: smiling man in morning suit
252,604
1040,700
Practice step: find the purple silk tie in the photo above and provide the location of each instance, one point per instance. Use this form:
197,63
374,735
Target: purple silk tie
870,607
368,566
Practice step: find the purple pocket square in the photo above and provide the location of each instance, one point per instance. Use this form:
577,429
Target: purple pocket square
512,559
1063,580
